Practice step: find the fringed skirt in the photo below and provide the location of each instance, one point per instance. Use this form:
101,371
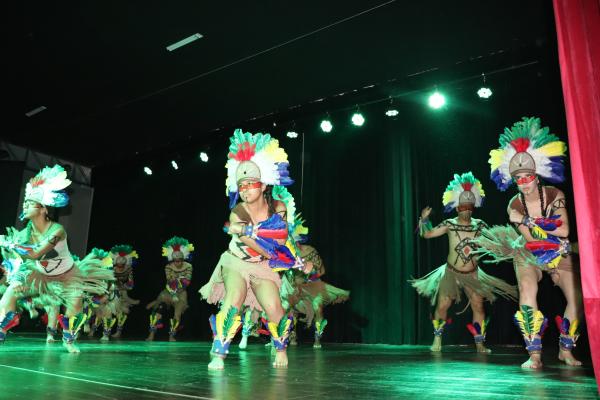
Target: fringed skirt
214,291
445,281
179,301
318,294
124,302
86,276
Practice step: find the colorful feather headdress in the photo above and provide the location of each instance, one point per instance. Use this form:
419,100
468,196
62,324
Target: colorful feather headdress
175,244
527,147
124,251
256,156
102,255
47,187
463,189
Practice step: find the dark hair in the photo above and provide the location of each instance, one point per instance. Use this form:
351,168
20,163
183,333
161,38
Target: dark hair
541,191
268,193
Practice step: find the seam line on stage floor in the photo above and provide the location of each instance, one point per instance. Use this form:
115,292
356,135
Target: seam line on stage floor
189,396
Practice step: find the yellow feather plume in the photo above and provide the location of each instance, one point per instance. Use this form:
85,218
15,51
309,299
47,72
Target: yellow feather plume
554,263
553,149
274,152
538,232
521,322
573,327
496,158
538,320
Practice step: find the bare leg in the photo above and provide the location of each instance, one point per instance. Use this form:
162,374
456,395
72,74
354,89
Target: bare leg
235,294
528,278
318,319
441,312
569,283
267,295
52,312
73,309
179,309
478,316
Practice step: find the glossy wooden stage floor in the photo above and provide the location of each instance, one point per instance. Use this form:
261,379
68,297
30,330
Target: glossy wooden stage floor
30,369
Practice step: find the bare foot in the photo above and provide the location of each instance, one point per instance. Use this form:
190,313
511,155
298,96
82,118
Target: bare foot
71,348
482,349
104,338
117,334
150,337
281,360
534,362
243,343
217,363
436,346
172,339
567,357
50,339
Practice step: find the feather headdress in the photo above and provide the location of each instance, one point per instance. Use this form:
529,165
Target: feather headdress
527,147
175,244
47,187
463,189
124,251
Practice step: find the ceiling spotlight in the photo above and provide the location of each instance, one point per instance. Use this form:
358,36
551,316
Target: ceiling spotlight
292,134
484,93
148,171
358,119
174,165
392,112
437,100
326,126
204,157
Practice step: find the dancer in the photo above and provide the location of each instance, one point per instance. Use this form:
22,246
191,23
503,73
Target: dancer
178,271
529,153
124,259
306,292
460,272
46,267
246,273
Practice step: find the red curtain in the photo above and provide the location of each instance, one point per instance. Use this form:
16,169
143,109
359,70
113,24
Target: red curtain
578,31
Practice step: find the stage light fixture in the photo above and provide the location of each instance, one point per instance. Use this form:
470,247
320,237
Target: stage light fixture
436,100
358,119
326,126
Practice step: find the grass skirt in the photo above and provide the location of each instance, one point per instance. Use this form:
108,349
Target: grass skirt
85,277
445,282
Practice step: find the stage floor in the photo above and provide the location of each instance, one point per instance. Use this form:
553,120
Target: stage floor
30,369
